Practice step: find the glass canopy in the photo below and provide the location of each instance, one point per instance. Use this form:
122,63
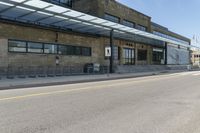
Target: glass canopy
43,13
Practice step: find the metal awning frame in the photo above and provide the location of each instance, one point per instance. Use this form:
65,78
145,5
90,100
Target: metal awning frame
80,21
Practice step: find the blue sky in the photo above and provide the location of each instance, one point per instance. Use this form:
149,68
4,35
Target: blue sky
180,16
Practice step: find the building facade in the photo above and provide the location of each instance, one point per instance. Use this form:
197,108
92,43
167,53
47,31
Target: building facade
24,44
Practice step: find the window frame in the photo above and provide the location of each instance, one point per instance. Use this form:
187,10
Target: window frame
112,16
13,40
139,27
42,44
51,44
127,21
130,60
70,49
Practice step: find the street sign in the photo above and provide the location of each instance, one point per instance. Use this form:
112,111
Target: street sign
108,51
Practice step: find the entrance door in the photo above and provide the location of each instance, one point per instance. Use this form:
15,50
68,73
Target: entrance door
128,56
158,56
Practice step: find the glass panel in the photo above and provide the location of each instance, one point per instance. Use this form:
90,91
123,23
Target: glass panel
111,18
37,3
128,23
77,50
86,51
70,50
128,56
35,47
50,49
57,9
16,46
140,27
15,49
62,49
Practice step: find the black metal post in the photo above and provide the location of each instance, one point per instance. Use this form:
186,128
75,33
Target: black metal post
165,53
111,46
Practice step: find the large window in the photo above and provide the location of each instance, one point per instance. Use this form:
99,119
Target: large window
142,55
140,27
16,46
47,48
128,55
77,50
34,47
50,49
62,49
128,23
86,51
170,37
112,18
62,2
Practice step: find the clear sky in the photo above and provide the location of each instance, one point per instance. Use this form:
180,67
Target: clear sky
180,16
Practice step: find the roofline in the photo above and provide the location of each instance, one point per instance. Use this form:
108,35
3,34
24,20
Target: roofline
131,8
92,20
165,28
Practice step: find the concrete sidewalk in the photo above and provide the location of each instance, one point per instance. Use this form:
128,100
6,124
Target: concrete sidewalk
49,81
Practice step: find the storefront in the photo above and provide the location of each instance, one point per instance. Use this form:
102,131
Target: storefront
128,56
158,56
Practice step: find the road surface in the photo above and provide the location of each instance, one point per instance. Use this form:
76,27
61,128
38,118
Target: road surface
156,104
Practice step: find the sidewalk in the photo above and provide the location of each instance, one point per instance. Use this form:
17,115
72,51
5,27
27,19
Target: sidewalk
48,81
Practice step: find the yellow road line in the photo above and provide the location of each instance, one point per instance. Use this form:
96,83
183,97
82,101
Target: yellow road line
84,88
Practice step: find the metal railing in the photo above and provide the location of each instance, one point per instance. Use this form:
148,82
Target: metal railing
48,71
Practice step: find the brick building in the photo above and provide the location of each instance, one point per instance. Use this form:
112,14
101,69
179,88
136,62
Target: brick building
33,34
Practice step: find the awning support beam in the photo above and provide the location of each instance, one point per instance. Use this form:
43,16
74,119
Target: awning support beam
111,46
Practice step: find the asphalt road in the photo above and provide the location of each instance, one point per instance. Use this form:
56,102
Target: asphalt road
157,104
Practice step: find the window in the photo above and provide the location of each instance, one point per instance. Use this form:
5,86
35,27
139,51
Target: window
47,48
34,47
70,50
142,55
111,18
128,23
86,51
62,49
77,50
62,2
140,27
50,49
170,37
16,46
158,55
128,55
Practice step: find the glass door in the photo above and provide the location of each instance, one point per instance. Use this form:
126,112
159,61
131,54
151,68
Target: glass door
128,56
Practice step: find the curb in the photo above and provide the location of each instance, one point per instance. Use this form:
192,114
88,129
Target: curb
87,80
75,82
